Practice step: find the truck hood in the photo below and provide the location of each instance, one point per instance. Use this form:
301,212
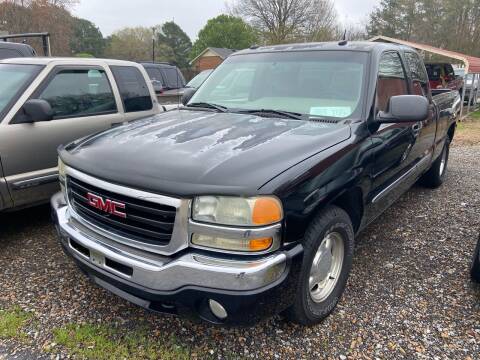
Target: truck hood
186,153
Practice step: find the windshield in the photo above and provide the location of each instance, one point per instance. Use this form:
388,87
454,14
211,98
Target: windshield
313,83
199,79
13,80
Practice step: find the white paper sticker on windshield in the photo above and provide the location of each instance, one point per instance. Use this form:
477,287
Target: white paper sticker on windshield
331,111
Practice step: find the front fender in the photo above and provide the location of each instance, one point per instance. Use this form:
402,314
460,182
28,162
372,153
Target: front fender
319,181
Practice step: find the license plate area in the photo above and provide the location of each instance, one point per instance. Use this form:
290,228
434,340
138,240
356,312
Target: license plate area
100,260
97,258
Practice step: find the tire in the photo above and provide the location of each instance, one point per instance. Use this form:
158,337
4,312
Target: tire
475,267
313,303
435,176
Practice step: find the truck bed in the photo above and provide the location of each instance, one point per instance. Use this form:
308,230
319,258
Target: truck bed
444,98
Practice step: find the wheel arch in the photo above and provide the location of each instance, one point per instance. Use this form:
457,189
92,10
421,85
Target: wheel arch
451,131
351,201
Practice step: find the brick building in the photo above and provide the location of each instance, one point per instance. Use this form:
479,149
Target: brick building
210,58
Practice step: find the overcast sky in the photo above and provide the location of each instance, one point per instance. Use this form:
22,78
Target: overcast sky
191,15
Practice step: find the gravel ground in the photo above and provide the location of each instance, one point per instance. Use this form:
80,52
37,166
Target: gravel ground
409,294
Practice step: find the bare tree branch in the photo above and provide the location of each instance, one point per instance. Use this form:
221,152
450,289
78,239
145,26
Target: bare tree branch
281,21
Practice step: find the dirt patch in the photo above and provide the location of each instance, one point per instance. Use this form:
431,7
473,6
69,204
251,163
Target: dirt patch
468,131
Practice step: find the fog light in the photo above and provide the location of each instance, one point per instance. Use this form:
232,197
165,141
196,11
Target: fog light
247,245
217,309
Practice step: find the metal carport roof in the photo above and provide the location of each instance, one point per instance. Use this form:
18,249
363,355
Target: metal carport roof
472,63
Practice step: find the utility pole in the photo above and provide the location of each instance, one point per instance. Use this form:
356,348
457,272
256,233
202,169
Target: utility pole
153,44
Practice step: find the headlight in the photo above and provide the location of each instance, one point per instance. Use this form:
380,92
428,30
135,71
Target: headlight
237,211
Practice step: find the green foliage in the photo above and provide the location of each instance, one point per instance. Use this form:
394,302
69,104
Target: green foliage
224,31
104,343
11,323
86,38
135,44
84,55
475,115
172,36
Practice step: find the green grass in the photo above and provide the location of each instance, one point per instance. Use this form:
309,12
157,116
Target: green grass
103,343
475,115
12,322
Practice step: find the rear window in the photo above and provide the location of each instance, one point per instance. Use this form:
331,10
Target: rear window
434,71
173,77
133,88
154,74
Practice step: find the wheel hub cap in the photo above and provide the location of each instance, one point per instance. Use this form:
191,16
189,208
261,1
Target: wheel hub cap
326,267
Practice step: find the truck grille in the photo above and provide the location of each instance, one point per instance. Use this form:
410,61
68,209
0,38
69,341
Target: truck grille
141,220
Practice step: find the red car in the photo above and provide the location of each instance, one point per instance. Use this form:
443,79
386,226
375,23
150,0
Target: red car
442,76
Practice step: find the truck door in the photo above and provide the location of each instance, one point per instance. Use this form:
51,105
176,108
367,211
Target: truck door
398,147
83,103
422,149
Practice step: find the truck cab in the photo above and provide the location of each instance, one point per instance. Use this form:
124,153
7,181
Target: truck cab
46,102
246,202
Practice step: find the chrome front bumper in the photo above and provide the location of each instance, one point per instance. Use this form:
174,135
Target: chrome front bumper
162,273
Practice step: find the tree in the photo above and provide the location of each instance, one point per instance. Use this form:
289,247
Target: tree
135,44
449,24
66,4
394,18
281,21
224,31
86,38
172,36
21,16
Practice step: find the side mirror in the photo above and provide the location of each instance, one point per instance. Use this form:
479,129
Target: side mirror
187,95
35,110
405,108
157,86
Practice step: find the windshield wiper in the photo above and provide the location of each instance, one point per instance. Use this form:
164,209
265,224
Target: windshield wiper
286,114
208,106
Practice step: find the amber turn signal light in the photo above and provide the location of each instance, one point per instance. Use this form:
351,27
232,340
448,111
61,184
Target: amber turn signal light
260,244
267,210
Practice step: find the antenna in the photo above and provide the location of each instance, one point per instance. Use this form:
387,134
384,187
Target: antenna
179,100
344,41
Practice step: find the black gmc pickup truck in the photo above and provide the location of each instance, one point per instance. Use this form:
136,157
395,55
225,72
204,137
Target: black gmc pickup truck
246,202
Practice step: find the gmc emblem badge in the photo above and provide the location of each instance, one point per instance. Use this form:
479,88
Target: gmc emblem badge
106,205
